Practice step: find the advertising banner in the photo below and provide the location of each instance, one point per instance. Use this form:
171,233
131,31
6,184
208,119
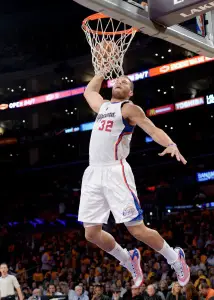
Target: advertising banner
160,110
189,103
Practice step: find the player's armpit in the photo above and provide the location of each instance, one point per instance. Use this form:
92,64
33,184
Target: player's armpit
94,100
136,116
91,94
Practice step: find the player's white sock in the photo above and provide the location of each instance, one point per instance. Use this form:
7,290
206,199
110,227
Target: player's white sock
169,253
119,253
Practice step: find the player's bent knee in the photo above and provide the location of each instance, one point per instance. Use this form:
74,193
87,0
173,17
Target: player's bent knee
92,233
89,236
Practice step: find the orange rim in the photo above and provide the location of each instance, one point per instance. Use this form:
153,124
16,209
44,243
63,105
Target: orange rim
102,16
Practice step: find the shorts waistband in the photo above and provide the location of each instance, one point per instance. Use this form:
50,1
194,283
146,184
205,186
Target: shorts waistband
112,163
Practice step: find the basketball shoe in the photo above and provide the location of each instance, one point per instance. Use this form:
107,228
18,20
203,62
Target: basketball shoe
133,266
181,268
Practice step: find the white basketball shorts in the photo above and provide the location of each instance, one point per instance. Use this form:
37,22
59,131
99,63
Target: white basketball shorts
108,188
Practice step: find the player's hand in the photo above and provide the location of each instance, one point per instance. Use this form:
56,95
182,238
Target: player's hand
173,150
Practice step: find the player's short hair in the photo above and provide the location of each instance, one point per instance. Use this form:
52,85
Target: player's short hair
131,83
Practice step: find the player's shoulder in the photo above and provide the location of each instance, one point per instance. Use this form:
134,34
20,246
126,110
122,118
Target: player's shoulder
105,102
127,105
103,105
130,108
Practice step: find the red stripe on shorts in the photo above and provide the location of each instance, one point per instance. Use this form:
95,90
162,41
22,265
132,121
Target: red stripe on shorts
126,182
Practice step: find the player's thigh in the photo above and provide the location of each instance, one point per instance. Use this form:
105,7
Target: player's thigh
121,193
93,206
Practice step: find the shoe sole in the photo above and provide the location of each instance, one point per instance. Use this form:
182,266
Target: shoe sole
186,281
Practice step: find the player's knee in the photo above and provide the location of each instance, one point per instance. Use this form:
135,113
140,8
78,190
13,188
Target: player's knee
91,234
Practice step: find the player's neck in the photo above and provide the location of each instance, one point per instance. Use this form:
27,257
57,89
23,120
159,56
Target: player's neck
117,100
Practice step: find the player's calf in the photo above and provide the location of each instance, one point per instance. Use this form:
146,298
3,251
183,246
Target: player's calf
95,235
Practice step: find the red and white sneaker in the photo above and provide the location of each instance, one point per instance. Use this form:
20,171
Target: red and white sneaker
181,268
133,266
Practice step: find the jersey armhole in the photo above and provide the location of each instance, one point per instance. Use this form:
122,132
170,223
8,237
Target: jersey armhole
104,102
125,122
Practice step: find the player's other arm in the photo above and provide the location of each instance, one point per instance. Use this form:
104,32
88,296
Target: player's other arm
91,94
136,116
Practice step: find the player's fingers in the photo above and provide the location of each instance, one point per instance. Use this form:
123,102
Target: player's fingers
162,153
177,156
183,160
173,153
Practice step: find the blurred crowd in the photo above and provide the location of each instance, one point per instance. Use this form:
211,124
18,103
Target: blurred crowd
53,265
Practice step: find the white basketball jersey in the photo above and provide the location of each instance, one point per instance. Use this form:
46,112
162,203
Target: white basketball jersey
111,135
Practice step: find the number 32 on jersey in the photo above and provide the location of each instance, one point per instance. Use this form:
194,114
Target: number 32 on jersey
106,125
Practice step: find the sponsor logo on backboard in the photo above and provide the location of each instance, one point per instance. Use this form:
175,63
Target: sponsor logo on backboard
198,10
171,12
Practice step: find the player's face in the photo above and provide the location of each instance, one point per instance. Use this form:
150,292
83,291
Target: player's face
122,89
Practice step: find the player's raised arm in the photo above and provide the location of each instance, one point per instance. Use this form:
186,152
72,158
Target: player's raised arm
136,116
91,94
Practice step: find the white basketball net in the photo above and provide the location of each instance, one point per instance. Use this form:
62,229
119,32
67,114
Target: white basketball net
109,43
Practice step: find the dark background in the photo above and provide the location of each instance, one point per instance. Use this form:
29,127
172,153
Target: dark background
44,50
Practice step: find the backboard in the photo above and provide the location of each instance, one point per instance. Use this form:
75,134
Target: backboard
171,12
131,12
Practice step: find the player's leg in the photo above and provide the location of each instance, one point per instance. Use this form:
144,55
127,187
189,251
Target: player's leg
125,206
94,211
124,209
105,241
93,207
175,257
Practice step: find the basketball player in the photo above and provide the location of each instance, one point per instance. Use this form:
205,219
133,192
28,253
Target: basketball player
108,183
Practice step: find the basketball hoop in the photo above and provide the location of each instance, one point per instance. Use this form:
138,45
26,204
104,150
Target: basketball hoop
109,42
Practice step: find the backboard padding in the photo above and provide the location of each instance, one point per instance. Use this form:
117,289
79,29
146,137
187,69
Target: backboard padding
139,18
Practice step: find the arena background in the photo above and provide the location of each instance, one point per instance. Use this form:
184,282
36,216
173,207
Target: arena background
46,125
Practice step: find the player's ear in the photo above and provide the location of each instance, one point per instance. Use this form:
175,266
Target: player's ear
131,93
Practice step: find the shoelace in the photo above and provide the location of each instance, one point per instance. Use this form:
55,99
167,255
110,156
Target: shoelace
134,275
132,271
177,266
